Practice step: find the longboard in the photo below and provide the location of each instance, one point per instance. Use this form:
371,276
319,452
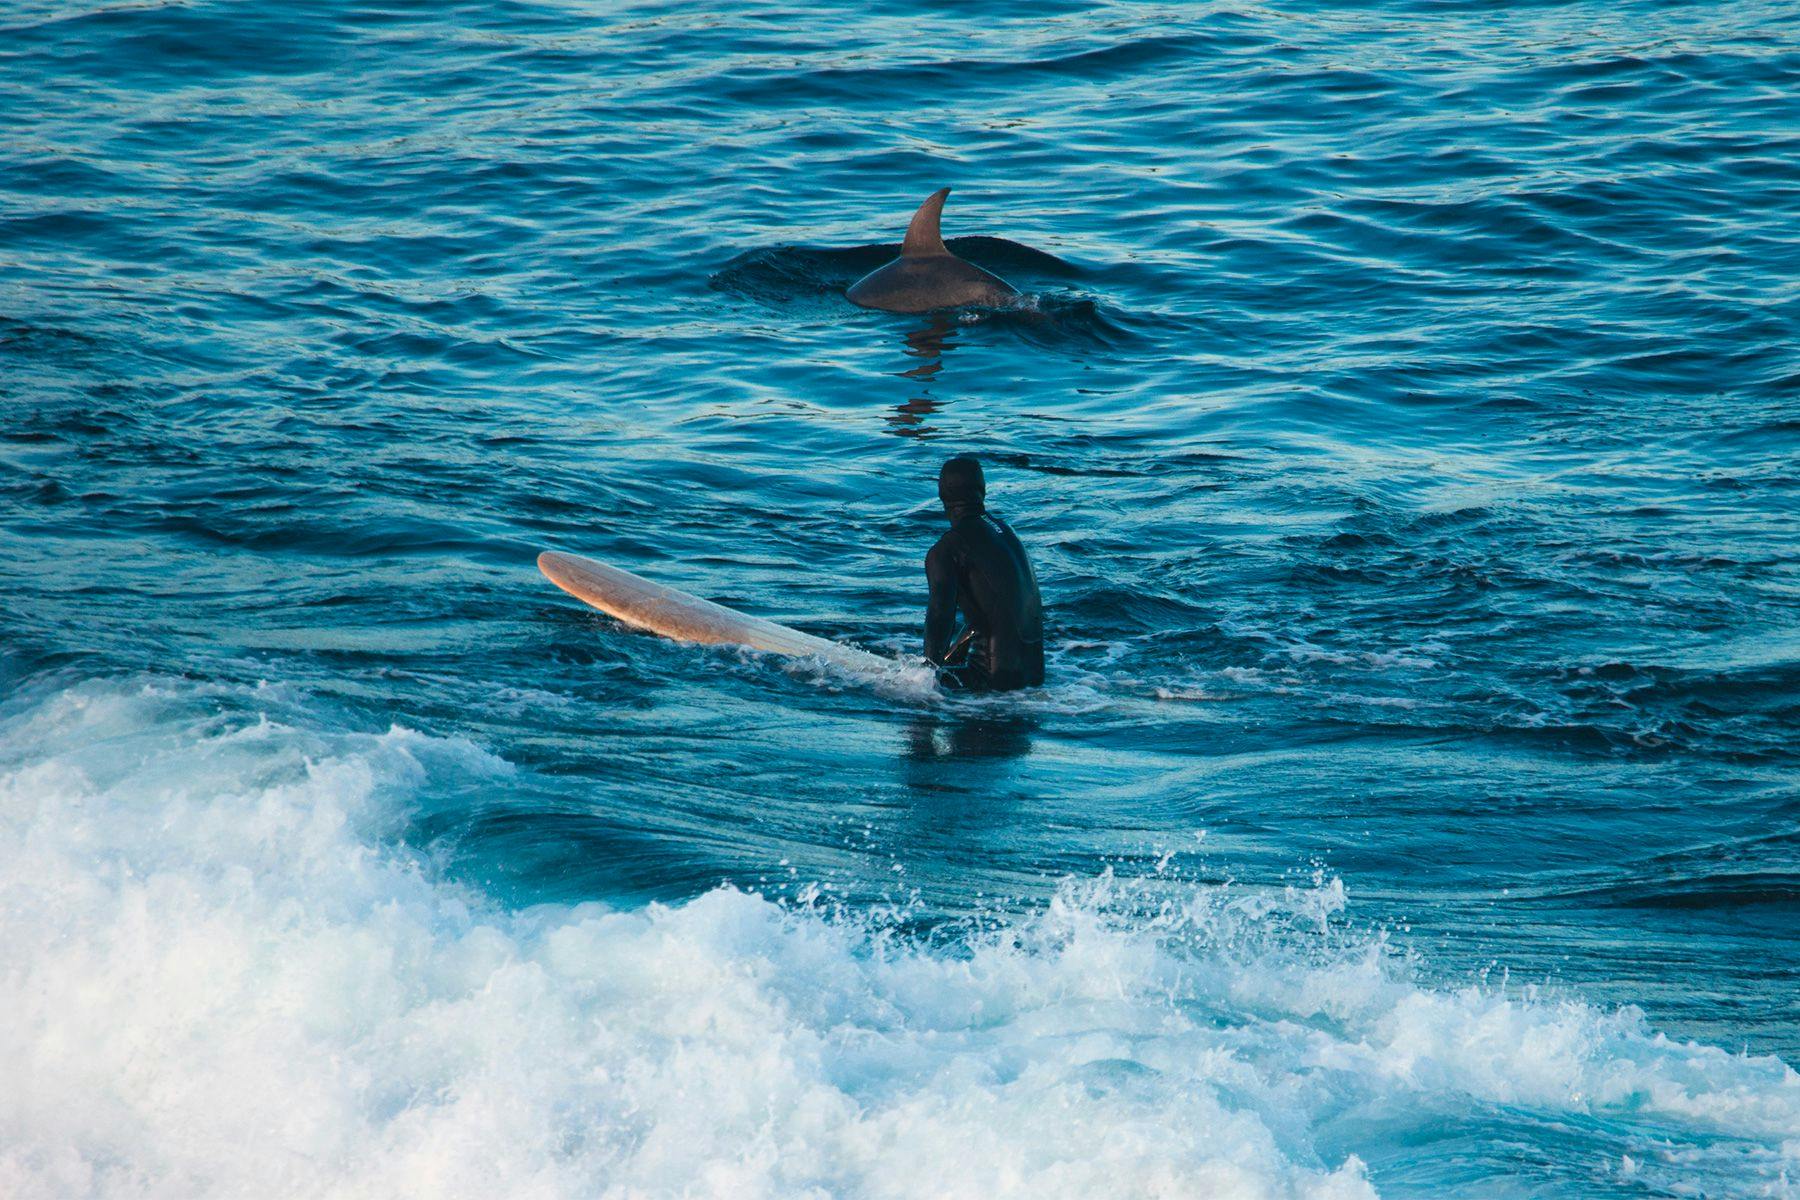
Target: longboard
676,614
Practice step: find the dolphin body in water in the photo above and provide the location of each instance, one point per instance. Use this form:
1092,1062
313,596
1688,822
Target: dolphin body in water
927,275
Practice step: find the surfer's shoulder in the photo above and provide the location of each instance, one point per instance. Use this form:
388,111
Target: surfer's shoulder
943,552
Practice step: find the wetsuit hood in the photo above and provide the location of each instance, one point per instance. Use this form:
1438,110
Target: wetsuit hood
962,488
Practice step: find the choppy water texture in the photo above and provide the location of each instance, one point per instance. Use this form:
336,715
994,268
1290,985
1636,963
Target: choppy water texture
1405,424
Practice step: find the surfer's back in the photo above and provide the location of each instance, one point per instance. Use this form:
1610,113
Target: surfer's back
998,593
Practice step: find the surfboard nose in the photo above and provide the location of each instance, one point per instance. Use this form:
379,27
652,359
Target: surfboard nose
557,568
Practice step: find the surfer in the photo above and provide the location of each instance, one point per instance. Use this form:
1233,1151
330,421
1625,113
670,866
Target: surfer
980,567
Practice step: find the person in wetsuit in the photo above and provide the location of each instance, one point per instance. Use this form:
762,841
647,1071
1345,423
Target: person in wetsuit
980,567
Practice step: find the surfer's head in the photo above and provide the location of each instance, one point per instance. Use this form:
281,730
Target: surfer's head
961,487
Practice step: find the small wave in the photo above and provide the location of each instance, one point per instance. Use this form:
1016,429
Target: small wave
1719,875
1741,889
784,274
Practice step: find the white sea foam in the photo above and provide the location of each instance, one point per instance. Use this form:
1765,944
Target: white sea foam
219,977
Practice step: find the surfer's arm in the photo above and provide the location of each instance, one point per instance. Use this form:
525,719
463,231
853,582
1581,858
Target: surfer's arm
940,608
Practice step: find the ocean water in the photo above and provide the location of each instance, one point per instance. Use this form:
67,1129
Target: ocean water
1405,422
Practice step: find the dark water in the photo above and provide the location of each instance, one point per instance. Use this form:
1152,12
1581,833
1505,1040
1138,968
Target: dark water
1405,424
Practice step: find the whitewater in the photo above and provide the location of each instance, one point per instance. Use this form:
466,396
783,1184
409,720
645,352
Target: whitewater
222,977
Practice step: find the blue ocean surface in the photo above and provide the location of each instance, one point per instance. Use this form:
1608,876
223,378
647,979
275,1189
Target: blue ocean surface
1404,419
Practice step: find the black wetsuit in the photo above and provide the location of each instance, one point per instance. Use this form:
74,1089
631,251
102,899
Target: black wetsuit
980,567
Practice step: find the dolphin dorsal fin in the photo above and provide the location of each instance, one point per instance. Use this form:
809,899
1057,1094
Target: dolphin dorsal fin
922,236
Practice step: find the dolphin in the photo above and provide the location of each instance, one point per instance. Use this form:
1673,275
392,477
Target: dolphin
927,275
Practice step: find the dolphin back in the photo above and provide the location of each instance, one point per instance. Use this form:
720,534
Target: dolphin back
913,285
927,275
